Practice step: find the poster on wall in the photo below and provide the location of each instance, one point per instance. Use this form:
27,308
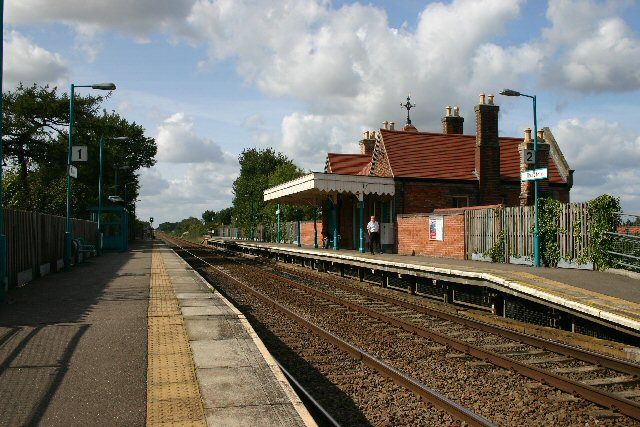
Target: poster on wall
436,228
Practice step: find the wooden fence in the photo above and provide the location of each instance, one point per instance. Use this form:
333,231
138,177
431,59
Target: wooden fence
288,232
35,242
483,228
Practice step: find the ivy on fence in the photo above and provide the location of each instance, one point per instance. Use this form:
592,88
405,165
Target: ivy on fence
603,218
548,230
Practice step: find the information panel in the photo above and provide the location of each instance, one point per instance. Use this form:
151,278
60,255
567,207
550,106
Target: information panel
436,227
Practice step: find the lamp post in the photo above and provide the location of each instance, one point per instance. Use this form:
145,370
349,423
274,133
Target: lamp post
124,168
3,239
278,235
102,142
536,241
67,233
125,191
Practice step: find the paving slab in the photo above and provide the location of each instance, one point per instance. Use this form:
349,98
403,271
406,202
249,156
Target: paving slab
256,416
240,383
214,328
210,310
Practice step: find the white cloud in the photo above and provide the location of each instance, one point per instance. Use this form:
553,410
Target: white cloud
178,143
139,18
29,63
351,69
173,192
152,182
606,158
590,47
307,138
89,18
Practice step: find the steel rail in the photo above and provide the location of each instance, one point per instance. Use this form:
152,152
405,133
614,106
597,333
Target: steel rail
556,347
625,406
590,393
432,396
308,396
610,400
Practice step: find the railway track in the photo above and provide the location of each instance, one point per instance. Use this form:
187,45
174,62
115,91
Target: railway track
572,370
399,377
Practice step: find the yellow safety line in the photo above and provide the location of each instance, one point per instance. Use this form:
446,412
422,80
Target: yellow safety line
173,396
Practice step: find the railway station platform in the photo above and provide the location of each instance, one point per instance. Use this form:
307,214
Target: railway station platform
135,338
572,296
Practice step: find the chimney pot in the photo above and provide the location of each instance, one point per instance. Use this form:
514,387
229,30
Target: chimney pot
527,135
385,124
490,96
481,98
456,111
540,135
365,135
392,126
448,111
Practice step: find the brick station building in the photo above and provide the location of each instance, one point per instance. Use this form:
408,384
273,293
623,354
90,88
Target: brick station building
423,172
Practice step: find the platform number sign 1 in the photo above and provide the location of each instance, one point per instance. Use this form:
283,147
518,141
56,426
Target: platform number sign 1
529,157
79,153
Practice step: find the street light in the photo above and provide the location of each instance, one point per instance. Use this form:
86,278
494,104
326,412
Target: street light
124,168
102,142
125,191
536,241
67,233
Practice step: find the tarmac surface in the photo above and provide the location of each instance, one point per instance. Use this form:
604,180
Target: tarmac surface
73,345
135,338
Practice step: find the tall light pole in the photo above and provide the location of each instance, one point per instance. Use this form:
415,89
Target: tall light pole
536,240
117,186
3,238
102,142
125,191
68,238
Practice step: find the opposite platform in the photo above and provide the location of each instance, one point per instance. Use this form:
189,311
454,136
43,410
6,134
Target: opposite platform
239,382
609,298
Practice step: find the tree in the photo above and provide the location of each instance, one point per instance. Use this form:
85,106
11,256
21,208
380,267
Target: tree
167,227
34,127
217,218
255,168
36,132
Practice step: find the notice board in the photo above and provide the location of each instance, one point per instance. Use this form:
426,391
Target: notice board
436,227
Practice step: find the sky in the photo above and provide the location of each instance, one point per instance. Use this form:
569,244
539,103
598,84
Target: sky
208,78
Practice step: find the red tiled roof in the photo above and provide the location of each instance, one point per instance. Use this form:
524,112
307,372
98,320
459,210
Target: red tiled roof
349,164
447,156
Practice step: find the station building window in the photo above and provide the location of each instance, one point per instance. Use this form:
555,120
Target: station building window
460,201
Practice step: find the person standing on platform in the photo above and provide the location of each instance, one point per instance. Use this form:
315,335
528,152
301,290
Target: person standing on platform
373,228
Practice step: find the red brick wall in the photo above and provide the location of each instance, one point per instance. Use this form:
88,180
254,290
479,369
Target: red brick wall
630,229
418,197
413,236
306,231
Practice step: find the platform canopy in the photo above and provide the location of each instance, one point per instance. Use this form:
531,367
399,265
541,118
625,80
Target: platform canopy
315,187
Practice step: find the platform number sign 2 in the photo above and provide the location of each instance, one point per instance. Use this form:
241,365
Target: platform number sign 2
79,153
529,157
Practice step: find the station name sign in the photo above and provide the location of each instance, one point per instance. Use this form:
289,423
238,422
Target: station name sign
534,175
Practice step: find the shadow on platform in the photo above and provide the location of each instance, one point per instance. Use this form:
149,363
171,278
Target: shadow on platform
57,339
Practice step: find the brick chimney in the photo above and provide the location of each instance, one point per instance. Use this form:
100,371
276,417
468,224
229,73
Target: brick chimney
527,187
368,143
452,124
488,151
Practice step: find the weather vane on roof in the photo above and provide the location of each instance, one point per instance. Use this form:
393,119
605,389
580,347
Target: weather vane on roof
408,106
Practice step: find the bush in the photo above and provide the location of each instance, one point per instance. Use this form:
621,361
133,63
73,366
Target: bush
603,218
